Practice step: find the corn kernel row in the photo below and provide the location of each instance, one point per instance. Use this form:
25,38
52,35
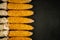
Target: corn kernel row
15,33
15,6
16,13
19,33
15,27
16,20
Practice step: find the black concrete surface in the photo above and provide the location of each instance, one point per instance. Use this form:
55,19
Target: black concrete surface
47,13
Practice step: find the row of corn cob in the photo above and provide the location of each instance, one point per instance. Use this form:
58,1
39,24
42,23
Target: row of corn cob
15,6
16,13
16,27
15,33
15,22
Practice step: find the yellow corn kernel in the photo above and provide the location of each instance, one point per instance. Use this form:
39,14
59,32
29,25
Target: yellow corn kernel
19,20
19,6
19,1
20,38
20,27
20,13
19,33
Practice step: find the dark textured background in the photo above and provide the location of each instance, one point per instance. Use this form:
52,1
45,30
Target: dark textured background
46,18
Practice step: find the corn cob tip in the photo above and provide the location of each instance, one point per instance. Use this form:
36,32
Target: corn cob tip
31,33
30,0
31,21
30,39
32,28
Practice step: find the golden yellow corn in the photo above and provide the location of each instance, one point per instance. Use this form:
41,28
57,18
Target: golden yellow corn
19,33
19,1
16,13
20,38
15,6
19,20
19,6
20,27
20,13
16,20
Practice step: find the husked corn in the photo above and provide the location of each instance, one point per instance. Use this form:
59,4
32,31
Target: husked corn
16,13
19,33
20,38
20,27
20,13
16,20
19,20
19,6
19,1
16,27
15,6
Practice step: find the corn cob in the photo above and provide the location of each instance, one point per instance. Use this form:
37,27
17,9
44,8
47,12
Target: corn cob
16,20
20,13
16,27
16,13
20,27
15,6
19,20
17,1
15,33
20,38
19,6
19,33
